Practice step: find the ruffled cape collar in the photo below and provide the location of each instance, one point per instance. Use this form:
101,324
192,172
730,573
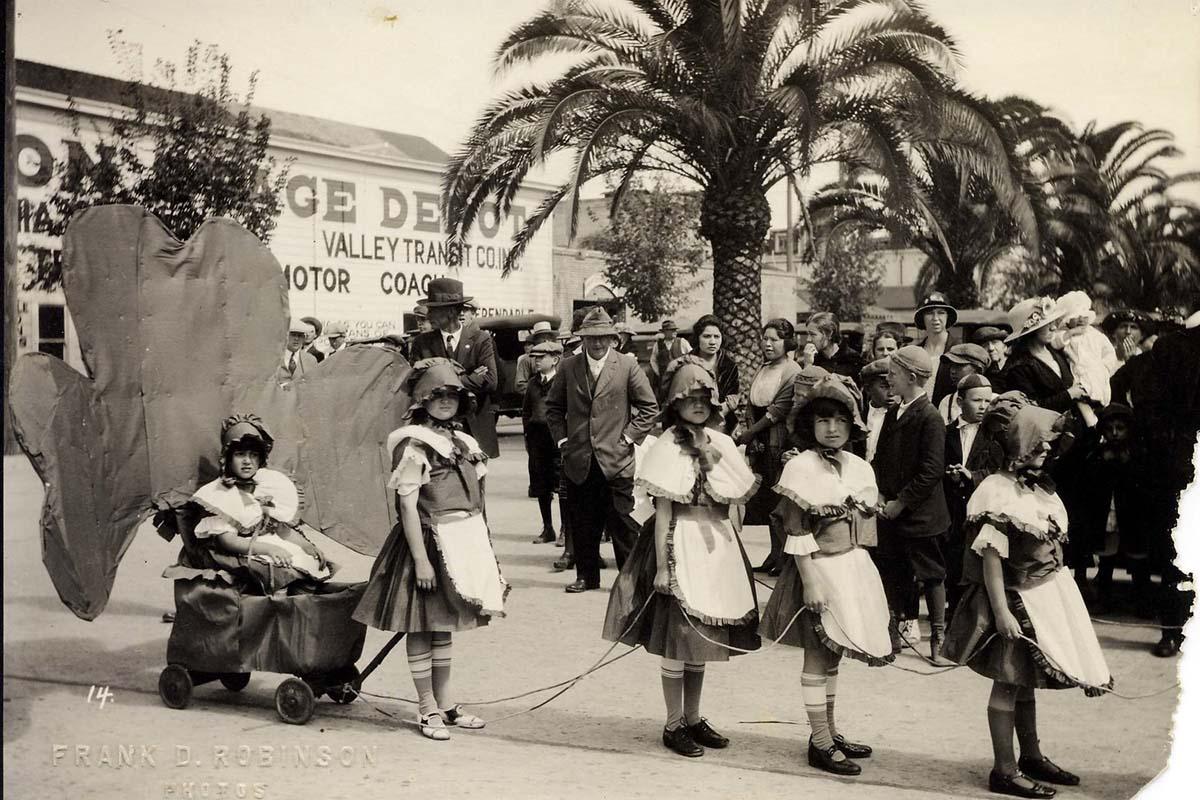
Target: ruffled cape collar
273,494
829,483
1003,501
668,471
437,442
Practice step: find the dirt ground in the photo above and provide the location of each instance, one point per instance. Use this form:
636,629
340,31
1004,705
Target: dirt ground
600,739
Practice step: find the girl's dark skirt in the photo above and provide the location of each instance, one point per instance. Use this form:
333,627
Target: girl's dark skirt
393,602
663,629
970,641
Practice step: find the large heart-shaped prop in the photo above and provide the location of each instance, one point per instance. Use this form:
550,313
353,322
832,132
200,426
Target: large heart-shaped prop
176,336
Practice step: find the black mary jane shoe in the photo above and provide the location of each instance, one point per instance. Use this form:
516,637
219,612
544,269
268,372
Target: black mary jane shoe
704,734
823,759
766,566
1044,769
1007,784
852,749
680,741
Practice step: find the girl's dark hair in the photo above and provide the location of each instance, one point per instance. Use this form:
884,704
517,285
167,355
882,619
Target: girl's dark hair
246,443
466,406
708,321
827,323
785,329
823,407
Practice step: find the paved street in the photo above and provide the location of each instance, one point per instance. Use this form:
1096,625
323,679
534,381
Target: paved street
601,739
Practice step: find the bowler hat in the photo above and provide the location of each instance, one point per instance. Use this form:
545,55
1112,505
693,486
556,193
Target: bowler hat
444,292
971,354
596,322
935,300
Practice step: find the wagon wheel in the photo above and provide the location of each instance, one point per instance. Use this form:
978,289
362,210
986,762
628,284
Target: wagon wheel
175,686
345,691
235,681
294,700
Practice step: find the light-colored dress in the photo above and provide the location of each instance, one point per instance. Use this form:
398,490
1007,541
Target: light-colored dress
828,507
1026,526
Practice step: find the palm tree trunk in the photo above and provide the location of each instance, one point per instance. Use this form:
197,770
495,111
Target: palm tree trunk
736,223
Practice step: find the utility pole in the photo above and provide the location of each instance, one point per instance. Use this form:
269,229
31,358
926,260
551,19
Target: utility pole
10,212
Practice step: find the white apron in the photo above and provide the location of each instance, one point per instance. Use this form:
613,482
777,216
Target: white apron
470,561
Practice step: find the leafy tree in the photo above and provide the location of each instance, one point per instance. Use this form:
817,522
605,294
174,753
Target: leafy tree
184,151
730,95
651,248
846,279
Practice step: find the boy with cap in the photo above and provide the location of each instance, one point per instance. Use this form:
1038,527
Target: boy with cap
967,464
540,332
910,466
964,360
544,462
877,398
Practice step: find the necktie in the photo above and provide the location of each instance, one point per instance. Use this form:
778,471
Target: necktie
292,364
450,345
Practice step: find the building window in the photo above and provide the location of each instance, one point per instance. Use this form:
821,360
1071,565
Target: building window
52,329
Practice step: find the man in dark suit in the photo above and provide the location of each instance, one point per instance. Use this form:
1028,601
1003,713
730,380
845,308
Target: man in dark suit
470,346
599,406
910,465
967,464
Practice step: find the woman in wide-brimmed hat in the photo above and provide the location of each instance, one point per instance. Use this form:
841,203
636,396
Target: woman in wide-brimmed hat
936,317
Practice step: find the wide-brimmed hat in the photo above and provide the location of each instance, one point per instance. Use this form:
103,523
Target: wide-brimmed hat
1030,315
444,292
668,325
915,360
1117,316
968,353
989,333
935,300
842,390
596,322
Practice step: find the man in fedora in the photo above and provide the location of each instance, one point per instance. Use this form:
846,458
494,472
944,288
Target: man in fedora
470,346
599,406
670,347
936,317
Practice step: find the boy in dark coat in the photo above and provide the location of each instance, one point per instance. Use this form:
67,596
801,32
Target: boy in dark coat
910,465
544,463
966,466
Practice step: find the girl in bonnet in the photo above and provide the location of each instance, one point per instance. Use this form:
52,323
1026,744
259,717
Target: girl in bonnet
437,572
693,566
829,599
252,512
1020,592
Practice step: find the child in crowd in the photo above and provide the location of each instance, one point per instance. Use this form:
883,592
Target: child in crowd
966,467
542,452
964,360
829,598
1021,620
437,572
252,513
877,393
909,464
692,562
1093,357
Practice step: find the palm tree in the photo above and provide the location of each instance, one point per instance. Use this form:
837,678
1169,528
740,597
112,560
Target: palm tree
969,225
730,95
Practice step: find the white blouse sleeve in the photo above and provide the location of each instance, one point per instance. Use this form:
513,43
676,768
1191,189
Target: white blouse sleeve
212,526
990,536
411,473
800,545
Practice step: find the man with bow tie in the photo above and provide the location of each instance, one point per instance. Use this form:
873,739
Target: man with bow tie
467,344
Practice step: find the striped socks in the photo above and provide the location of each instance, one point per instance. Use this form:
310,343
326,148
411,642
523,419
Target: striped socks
441,653
693,684
420,664
672,686
830,696
812,691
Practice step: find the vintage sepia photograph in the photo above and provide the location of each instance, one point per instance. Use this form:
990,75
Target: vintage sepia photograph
415,398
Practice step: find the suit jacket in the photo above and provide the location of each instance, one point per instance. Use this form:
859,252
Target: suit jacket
597,420
474,349
305,363
910,465
977,461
